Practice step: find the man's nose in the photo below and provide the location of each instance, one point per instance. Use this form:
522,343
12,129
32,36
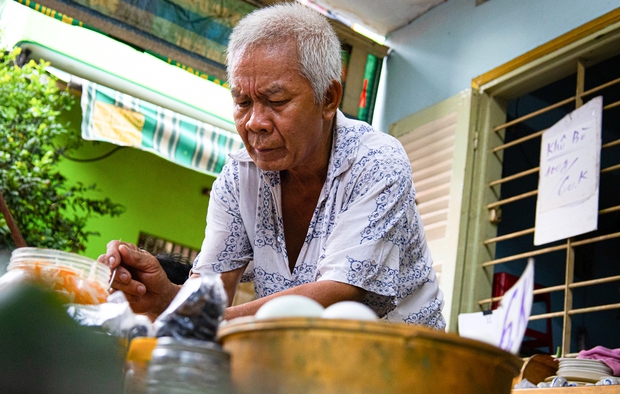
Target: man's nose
259,120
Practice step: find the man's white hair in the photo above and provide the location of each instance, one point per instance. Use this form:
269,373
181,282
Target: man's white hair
318,47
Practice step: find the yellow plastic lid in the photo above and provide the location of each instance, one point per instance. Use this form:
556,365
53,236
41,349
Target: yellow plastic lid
140,349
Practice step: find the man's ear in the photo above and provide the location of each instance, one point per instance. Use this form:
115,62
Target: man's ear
332,99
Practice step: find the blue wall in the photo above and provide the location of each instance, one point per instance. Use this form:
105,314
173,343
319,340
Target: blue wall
438,54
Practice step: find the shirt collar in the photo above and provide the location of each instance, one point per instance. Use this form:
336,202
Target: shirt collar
344,147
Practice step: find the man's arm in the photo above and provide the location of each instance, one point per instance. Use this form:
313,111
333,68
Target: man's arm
325,292
230,280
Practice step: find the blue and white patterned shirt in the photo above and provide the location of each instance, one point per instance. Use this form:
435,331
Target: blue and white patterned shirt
365,231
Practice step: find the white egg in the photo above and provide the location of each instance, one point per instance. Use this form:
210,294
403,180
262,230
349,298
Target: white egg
289,306
349,310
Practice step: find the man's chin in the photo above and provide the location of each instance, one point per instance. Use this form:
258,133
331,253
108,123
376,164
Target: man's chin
269,165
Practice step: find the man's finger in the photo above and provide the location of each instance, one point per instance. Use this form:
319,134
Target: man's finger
133,288
123,276
111,258
136,258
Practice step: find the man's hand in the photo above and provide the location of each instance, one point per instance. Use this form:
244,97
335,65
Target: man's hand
140,276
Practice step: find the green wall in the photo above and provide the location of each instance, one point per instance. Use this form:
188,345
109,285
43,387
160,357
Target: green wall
160,197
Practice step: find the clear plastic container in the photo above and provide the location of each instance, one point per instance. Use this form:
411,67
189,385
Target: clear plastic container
188,366
137,363
82,279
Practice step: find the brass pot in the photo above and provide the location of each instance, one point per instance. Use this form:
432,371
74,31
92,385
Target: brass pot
314,355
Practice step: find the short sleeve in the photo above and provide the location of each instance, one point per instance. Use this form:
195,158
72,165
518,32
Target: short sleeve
226,245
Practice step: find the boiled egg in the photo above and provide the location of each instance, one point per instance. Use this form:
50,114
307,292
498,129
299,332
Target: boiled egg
289,306
350,310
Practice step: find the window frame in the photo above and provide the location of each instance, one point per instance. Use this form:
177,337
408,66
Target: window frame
596,41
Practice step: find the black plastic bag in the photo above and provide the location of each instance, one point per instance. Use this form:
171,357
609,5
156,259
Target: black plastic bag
195,312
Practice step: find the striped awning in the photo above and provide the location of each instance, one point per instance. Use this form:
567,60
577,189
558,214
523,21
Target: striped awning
187,33
111,116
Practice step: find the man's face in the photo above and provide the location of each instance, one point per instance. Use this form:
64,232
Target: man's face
275,112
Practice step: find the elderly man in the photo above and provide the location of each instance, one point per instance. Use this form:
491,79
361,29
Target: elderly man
316,204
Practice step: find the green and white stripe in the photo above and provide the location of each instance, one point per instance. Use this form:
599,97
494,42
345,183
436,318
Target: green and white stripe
178,138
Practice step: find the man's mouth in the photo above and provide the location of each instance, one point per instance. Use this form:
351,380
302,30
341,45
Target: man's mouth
264,149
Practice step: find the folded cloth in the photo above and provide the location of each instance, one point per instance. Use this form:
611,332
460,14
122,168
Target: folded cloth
611,357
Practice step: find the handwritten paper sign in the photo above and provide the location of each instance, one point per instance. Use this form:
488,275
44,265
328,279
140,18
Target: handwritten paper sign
516,304
568,183
505,326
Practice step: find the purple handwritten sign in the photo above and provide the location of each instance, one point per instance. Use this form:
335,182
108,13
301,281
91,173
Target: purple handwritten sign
505,326
567,170
568,182
515,309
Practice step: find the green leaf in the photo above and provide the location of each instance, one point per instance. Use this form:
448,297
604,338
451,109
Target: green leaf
9,113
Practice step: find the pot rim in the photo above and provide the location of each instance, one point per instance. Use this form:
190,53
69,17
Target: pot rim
407,332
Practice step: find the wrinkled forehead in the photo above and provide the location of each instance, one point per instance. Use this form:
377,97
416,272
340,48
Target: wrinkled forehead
286,49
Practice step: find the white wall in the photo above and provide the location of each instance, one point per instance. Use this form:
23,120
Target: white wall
438,54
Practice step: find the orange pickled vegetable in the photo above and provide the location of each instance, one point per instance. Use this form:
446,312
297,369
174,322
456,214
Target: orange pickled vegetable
65,280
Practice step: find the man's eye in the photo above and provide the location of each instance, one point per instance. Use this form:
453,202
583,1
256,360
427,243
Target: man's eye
277,102
244,103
